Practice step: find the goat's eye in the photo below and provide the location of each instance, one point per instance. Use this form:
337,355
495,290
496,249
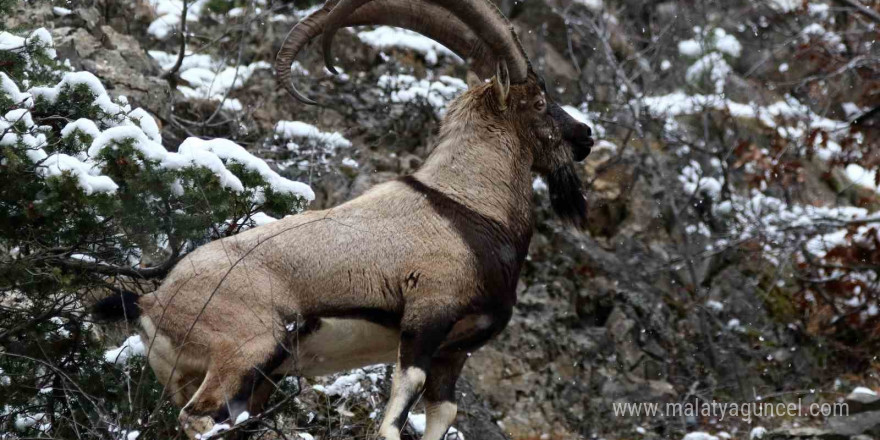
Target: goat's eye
540,105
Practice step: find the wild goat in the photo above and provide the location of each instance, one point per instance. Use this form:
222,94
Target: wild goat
418,271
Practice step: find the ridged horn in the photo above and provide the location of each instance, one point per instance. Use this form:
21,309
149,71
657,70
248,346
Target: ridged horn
430,19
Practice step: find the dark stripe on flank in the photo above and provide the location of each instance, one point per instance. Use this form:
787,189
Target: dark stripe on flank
498,251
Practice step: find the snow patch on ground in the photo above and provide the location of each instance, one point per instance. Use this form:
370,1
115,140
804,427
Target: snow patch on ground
208,78
437,93
386,36
419,423
863,391
699,435
168,14
360,382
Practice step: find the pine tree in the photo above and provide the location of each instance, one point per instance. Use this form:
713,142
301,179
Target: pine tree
91,202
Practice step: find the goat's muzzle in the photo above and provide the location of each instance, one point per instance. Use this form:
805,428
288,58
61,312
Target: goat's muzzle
579,138
576,134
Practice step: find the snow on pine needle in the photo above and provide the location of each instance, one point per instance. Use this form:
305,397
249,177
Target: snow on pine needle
96,201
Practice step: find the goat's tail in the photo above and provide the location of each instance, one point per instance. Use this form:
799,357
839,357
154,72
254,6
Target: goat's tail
122,305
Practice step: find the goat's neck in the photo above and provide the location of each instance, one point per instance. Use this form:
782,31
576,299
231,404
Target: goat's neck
483,170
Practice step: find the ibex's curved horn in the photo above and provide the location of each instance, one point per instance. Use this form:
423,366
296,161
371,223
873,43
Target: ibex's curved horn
481,16
298,37
428,19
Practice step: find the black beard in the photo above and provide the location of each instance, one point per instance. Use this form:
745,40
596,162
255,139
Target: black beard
566,197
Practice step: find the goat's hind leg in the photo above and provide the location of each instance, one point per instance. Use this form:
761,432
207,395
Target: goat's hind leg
238,380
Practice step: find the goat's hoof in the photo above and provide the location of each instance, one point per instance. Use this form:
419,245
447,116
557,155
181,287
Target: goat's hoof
195,427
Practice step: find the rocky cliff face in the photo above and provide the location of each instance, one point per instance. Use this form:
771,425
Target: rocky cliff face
682,288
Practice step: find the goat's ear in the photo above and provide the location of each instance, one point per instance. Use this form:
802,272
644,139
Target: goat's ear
501,84
473,80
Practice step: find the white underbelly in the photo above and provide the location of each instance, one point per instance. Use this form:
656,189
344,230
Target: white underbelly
341,345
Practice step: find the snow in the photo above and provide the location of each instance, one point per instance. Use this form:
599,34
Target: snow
817,31
862,177
799,118
820,10
349,163
716,40
209,78
187,157
25,421
168,14
74,79
10,89
699,435
757,432
5,380
38,38
694,180
146,123
784,5
605,145
407,88
385,36
215,430
19,115
711,67
261,218
593,5
242,417
133,346
116,135
230,151
61,12
862,391
576,114
11,42
85,126
419,423
215,84
690,48
665,65
293,130
87,175
715,305
352,383
139,129
539,185
726,43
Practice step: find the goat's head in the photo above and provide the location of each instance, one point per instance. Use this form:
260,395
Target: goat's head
478,32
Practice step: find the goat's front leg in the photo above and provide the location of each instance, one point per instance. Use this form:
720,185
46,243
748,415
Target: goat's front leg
440,394
417,346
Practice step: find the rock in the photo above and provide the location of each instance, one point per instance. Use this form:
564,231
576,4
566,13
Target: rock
120,62
802,433
864,423
861,402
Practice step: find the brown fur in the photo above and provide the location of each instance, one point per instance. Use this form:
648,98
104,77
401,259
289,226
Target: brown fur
418,269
